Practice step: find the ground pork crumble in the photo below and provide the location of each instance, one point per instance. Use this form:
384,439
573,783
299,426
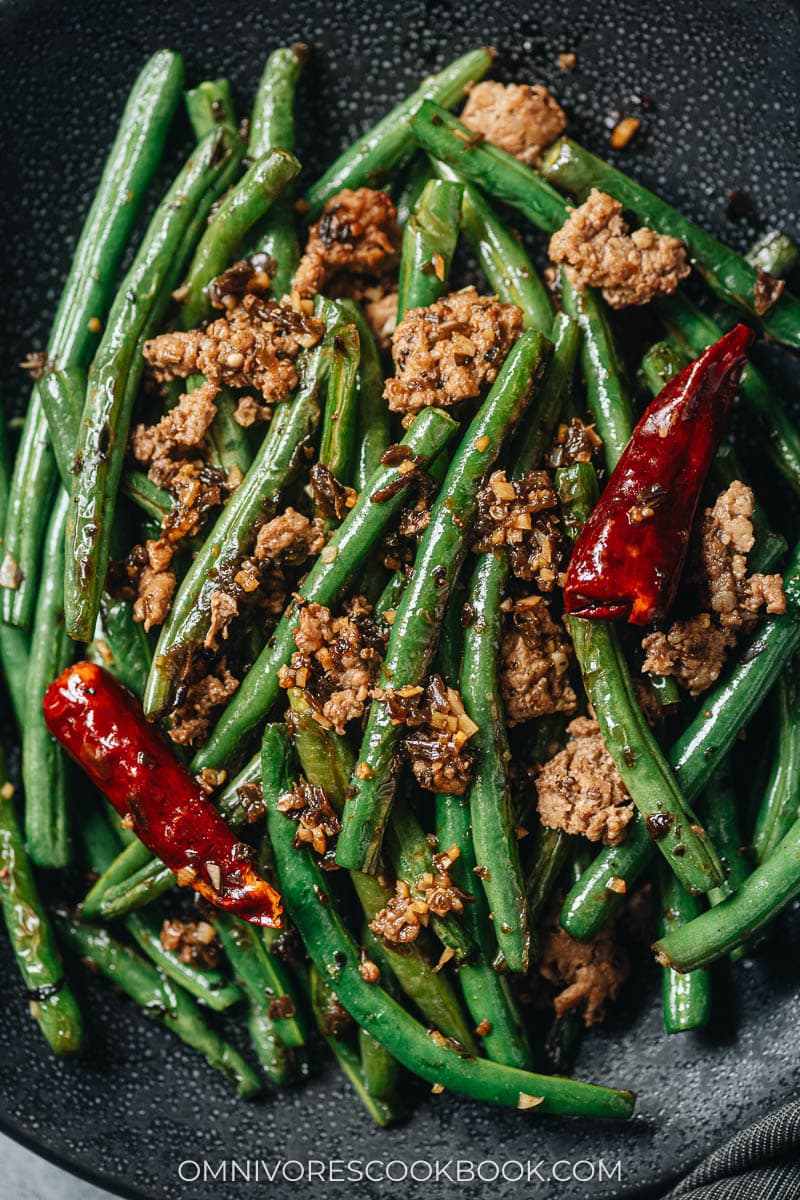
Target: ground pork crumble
598,250
573,443
587,974
174,452
520,514
534,662
520,119
318,825
411,907
285,542
694,650
450,351
193,942
191,719
580,790
436,745
356,235
336,661
255,345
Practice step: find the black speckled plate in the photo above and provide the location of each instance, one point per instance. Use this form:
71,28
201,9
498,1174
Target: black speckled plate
715,84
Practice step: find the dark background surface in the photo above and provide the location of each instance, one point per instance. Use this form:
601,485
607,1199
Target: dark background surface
716,87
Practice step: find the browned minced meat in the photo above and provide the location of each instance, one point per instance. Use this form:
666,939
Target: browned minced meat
248,275
156,592
194,942
727,538
381,313
287,540
192,719
336,661
520,119
598,250
534,661
290,537
580,790
587,974
318,825
173,450
356,234
694,650
766,292
184,427
331,498
409,910
281,1007
437,744
254,345
451,350
249,412
574,443
520,514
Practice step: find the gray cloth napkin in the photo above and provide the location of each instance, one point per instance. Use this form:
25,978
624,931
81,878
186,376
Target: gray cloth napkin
761,1162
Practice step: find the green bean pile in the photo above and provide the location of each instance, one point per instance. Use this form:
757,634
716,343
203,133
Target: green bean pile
456,1004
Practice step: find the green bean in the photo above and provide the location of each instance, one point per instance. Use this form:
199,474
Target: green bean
52,1003
429,243
327,762
159,998
122,644
208,105
720,930
127,861
487,992
255,500
374,427
129,168
562,1041
695,330
263,977
627,736
780,807
686,998
609,398
272,115
498,173
339,418
722,822
494,828
115,374
694,757
352,541
551,851
411,186
45,769
441,552
241,209
776,253
388,146
336,957
380,1069
501,256
725,272
62,392
328,1017
14,643
494,831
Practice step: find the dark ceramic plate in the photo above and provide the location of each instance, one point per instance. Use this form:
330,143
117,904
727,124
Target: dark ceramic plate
715,84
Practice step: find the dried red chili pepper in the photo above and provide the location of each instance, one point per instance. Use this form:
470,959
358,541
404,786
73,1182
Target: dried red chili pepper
103,727
628,559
